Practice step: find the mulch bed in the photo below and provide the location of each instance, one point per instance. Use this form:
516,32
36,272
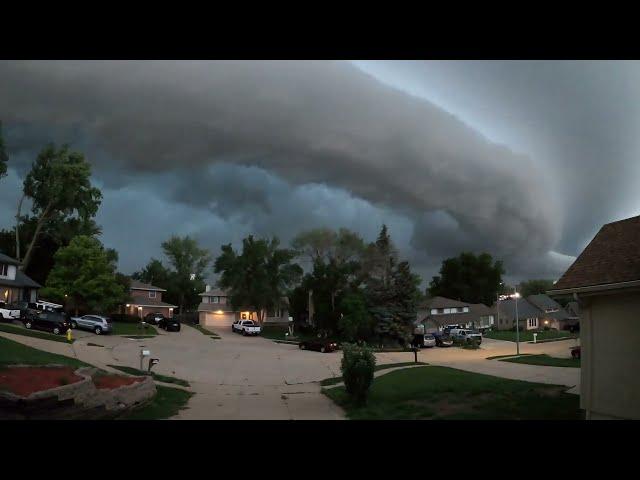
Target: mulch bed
24,381
109,382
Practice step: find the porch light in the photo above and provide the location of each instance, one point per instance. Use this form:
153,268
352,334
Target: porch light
219,311
546,322
128,305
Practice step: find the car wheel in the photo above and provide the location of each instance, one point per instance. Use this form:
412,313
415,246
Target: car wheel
301,346
56,330
323,350
97,330
27,325
244,333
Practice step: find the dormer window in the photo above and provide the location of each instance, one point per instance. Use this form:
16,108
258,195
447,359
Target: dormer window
152,294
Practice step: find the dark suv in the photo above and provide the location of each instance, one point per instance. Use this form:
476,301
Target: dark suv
55,322
153,318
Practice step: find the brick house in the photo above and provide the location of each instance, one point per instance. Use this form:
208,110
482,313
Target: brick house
15,286
147,299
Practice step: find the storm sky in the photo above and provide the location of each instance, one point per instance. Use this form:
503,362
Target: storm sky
524,160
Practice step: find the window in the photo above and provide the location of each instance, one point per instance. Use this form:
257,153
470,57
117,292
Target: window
4,269
533,322
205,299
465,309
447,310
434,311
215,299
152,294
223,300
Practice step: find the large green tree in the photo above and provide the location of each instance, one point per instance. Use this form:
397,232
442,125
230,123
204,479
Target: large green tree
469,278
4,157
58,185
260,276
189,263
535,287
85,273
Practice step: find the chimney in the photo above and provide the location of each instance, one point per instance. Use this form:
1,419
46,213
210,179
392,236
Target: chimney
207,288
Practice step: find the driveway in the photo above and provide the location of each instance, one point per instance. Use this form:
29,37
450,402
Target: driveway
239,377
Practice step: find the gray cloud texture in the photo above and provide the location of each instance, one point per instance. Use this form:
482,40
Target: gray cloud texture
226,148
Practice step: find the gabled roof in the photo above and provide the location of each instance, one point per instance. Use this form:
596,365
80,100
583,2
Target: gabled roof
214,292
21,281
612,257
525,309
149,302
442,302
137,285
8,260
544,302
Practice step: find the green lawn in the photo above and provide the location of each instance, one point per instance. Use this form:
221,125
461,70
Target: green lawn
126,328
12,353
527,336
156,376
545,360
9,328
440,393
167,403
334,380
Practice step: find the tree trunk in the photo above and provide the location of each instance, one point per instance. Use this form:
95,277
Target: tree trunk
27,257
18,228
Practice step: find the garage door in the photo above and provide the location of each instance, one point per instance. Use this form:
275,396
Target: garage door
219,319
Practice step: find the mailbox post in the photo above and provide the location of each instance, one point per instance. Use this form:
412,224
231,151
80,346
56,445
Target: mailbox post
143,353
153,362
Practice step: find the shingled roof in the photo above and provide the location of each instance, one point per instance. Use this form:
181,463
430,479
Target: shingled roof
612,257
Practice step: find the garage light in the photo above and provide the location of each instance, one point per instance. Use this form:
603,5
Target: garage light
219,311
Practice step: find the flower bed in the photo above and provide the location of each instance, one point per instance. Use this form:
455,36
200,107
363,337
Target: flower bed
109,382
24,381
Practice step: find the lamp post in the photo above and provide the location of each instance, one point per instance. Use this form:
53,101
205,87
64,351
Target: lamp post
516,295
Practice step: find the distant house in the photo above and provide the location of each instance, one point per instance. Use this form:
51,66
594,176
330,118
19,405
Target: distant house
215,310
605,282
146,299
438,312
554,315
15,285
536,312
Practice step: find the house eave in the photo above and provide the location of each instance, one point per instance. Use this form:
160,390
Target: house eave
595,288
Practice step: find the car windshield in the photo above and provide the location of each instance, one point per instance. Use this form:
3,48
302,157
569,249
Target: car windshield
429,337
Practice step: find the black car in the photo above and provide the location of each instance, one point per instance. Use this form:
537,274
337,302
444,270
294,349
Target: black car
54,322
442,340
169,324
319,345
154,318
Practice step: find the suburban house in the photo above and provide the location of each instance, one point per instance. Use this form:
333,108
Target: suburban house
554,316
215,310
438,312
146,299
605,282
15,285
536,312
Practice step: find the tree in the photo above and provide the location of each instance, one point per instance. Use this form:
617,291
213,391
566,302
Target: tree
4,157
380,258
535,287
85,273
187,259
260,276
355,321
154,273
469,278
58,185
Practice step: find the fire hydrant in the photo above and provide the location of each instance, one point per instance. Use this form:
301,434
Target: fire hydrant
69,335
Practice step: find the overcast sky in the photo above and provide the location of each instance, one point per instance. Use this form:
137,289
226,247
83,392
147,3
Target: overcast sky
524,160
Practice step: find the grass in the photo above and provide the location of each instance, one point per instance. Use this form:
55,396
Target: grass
334,380
156,376
126,328
13,353
167,403
204,331
495,357
545,360
34,333
446,393
527,336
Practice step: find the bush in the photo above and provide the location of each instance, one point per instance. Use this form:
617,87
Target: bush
358,365
125,318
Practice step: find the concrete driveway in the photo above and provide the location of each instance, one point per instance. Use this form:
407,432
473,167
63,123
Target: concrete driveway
240,377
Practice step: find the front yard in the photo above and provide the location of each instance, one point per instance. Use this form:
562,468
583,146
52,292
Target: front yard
442,393
21,330
14,353
545,360
127,328
527,335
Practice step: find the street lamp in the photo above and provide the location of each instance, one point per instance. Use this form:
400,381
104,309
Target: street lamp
516,295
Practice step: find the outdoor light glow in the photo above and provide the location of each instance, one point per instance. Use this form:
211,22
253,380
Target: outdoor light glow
516,295
128,305
219,311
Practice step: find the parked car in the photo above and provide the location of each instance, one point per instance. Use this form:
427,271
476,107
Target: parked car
466,335
442,340
9,312
169,324
98,324
429,340
54,322
319,345
154,318
575,352
247,327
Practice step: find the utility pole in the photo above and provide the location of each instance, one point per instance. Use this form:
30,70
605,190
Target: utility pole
516,295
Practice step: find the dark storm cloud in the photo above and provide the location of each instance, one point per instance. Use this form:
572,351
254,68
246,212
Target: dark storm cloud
294,127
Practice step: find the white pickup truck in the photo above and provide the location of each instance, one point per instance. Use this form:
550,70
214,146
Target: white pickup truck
246,327
465,335
7,312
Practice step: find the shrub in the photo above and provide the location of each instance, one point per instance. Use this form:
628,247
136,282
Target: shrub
125,318
358,365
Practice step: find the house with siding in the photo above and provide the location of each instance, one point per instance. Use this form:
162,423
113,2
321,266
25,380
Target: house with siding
438,312
215,310
15,286
605,282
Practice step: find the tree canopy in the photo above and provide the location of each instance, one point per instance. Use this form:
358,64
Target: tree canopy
85,273
469,278
535,287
